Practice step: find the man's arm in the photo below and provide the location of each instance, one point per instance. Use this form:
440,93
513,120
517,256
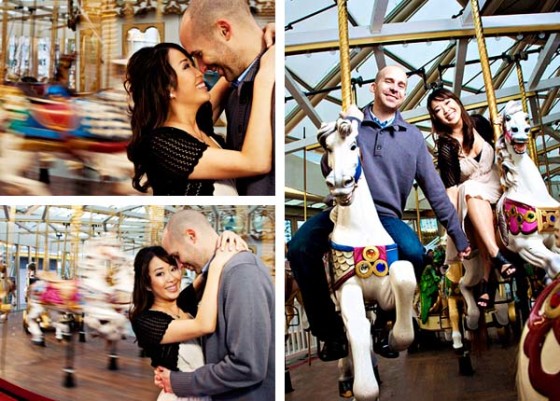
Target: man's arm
432,186
248,339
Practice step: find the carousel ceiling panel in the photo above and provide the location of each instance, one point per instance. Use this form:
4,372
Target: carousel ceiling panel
54,226
422,37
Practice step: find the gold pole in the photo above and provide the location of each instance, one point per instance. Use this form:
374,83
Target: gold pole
155,214
532,145
304,181
419,230
54,29
4,42
344,55
486,73
76,223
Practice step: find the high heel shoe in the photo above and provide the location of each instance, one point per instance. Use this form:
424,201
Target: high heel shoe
504,266
482,301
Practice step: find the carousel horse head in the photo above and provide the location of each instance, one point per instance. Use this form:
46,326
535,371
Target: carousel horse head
339,139
516,127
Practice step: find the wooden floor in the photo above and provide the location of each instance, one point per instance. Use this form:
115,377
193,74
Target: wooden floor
40,369
426,375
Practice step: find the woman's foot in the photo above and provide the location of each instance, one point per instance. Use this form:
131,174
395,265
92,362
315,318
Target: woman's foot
484,300
504,266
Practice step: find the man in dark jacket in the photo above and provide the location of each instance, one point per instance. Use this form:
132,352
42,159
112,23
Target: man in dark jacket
224,37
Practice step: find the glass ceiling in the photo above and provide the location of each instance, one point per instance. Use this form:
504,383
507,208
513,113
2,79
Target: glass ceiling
426,38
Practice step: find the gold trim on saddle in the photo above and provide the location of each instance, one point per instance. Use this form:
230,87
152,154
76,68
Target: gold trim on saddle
547,217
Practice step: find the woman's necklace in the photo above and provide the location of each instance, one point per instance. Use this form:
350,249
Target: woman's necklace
175,315
191,130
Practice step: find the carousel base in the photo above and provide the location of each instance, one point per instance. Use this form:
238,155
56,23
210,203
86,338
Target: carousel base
29,372
430,373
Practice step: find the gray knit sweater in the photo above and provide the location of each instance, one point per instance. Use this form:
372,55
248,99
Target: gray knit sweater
240,354
392,158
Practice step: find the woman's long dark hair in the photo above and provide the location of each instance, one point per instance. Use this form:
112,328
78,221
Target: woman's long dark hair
440,128
142,297
149,79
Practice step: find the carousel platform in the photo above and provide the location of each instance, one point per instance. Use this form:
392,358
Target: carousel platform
425,375
29,372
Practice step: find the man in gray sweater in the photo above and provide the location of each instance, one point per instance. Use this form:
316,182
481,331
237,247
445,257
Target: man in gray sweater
239,355
394,155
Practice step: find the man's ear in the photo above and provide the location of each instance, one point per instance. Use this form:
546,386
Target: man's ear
190,234
372,87
224,29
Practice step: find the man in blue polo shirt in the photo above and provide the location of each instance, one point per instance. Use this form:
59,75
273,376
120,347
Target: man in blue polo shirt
394,155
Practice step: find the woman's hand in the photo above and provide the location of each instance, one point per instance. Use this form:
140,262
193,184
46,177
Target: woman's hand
269,34
267,65
231,241
221,257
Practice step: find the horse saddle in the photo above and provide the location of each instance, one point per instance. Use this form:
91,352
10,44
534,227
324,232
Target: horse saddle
527,219
363,262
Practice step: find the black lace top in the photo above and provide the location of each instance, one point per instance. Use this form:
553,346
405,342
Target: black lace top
171,155
448,161
150,327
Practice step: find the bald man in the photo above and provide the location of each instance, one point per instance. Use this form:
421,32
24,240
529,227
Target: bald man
239,355
223,36
394,155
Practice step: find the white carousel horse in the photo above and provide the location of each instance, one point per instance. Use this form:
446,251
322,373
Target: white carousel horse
7,289
538,364
363,255
102,293
526,211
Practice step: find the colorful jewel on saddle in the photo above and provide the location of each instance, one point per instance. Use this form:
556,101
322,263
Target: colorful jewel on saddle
526,219
361,261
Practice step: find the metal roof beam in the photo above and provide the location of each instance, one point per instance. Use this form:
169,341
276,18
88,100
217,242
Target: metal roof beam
470,102
460,58
378,15
545,56
301,99
444,29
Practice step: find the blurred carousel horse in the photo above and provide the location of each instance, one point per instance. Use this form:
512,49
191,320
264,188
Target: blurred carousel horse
7,290
526,211
102,293
91,133
538,365
365,260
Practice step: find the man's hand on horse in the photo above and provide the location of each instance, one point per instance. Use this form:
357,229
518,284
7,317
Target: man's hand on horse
352,111
464,253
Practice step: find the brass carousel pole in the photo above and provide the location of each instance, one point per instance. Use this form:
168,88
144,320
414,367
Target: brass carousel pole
486,73
344,51
54,29
4,42
155,213
419,229
532,145
76,223
64,252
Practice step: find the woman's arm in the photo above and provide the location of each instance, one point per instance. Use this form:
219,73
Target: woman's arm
255,157
205,321
218,96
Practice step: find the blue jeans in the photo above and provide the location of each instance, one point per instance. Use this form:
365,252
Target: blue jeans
305,254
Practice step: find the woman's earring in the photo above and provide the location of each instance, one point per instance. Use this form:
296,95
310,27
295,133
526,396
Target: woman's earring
171,96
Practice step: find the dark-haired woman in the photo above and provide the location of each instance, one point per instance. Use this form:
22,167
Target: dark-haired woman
161,315
173,148
468,171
